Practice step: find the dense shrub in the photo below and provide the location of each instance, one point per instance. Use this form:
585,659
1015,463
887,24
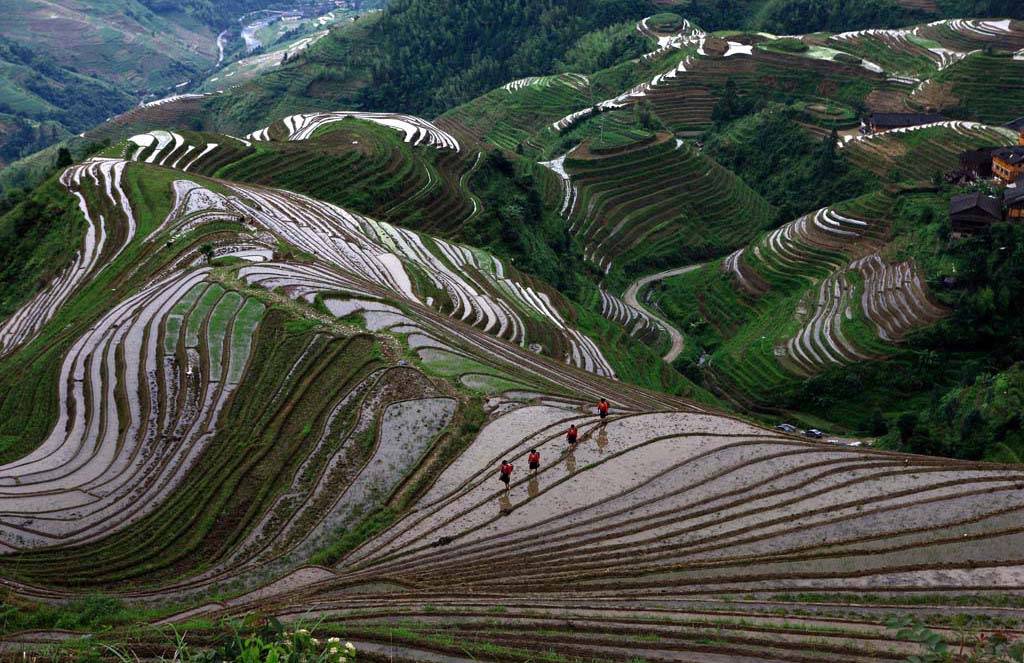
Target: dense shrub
515,225
604,48
779,160
790,45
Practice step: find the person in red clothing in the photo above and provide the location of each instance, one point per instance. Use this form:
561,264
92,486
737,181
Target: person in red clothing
572,435
506,473
602,409
534,459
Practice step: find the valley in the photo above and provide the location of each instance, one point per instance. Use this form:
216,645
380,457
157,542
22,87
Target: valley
121,53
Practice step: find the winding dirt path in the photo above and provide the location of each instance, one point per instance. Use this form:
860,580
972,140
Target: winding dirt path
631,299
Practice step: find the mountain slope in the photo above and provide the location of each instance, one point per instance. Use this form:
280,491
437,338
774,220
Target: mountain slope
302,427
264,365
76,64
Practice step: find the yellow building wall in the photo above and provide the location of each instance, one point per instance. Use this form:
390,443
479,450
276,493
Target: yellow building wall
1005,171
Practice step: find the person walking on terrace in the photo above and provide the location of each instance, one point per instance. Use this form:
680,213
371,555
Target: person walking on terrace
534,459
571,436
506,474
602,409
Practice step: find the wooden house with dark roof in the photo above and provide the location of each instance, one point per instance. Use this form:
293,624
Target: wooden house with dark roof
977,163
886,121
972,213
1013,201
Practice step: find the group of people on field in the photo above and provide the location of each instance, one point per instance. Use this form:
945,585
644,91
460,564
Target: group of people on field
572,436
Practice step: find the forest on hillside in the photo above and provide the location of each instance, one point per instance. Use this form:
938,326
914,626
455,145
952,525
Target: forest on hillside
432,55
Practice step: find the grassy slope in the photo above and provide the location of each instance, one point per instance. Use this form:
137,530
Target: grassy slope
987,88
37,239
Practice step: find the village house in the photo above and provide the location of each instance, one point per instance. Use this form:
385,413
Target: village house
977,163
972,213
878,122
1013,200
1008,162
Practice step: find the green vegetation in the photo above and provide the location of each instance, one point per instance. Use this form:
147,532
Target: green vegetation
980,420
347,541
265,411
1007,8
42,102
906,60
799,16
88,613
38,238
788,45
656,203
330,74
366,168
457,57
604,48
922,157
215,13
789,16
778,159
427,56
975,90
665,22
720,90
65,67
515,225
979,416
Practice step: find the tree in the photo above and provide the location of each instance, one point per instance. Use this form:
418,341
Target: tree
878,426
731,106
207,251
908,425
64,158
646,117
829,158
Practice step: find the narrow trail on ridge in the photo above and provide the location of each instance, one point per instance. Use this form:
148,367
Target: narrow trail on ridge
631,299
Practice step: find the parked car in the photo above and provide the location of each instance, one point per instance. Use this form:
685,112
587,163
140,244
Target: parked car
815,433
786,428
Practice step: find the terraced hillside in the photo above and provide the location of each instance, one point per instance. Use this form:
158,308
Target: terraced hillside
654,199
254,400
685,98
511,114
920,153
389,171
986,85
584,559
270,383
825,291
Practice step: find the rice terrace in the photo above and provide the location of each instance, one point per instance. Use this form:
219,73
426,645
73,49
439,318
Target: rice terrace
503,330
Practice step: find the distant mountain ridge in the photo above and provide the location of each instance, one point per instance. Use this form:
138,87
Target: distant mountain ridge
66,66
